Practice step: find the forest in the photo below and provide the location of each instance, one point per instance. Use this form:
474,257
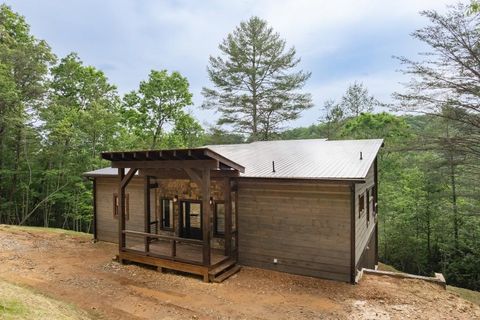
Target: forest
57,115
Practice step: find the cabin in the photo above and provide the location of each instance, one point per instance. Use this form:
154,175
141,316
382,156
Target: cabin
306,207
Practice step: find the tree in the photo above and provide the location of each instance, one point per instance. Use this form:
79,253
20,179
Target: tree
357,100
24,62
449,74
187,132
333,117
79,120
158,102
256,87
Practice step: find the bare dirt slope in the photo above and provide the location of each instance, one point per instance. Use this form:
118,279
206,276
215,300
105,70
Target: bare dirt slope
71,268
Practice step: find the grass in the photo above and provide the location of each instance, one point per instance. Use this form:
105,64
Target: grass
386,267
43,229
470,295
18,303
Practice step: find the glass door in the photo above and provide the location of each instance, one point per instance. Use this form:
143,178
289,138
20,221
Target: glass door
191,219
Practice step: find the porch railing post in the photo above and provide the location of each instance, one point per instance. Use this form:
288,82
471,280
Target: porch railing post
146,191
228,217
121,209
206,221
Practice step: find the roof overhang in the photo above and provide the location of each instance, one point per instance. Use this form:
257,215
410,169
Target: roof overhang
172,159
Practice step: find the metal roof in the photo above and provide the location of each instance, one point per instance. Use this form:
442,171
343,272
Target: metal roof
304,159
192,155
297,159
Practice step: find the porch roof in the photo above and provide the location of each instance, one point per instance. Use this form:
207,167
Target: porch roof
171,158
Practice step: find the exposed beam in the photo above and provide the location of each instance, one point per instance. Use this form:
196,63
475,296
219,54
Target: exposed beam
128,177
194,176
210,164
181,174
224,160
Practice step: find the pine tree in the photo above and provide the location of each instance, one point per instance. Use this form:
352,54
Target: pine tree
256,86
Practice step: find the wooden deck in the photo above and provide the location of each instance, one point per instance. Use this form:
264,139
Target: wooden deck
184,251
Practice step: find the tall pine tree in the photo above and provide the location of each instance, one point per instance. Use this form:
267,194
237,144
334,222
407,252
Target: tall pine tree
256,87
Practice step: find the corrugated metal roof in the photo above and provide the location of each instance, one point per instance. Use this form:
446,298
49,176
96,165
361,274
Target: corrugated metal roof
297,159
304,159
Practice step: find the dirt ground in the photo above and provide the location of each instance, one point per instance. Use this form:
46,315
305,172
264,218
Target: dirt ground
71,268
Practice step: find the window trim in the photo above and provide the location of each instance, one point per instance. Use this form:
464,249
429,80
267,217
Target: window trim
171,228
368,194
116,208
215,222
361,204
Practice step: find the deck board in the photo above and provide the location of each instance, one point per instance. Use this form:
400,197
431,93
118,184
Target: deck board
184,251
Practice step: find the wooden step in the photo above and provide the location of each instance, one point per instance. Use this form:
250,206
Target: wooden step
228,273
222,267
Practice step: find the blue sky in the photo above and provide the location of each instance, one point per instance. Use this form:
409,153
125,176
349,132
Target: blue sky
339,41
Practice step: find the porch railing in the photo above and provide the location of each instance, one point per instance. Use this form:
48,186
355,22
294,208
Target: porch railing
173,248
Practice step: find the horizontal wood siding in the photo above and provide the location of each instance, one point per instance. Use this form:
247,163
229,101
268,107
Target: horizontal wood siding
107,225
305,226
362,231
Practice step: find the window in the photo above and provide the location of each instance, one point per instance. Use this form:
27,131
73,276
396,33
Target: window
368,206
373,197
219,222
166,214
116,206
233,196
361,204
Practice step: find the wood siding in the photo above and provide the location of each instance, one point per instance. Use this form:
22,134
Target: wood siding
305,226
363,231
107,225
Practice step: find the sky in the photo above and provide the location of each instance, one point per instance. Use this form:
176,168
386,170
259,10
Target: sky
339,41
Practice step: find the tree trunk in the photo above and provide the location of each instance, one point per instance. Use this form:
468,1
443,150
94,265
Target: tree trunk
454,201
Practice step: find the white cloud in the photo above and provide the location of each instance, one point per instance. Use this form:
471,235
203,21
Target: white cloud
132,37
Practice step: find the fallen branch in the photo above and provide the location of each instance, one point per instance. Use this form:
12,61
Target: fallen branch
40,203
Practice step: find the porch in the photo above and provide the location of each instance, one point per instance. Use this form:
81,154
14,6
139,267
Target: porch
191,242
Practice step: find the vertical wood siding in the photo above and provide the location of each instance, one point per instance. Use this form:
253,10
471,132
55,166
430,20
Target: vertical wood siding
305,226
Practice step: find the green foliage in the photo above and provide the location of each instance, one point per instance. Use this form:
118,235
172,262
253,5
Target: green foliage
380,125
256,90
159,102
216,135
357,100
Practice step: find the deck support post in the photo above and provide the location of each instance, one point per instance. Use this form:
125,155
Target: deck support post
206,220
228,217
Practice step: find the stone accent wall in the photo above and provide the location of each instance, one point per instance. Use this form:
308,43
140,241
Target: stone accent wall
186,190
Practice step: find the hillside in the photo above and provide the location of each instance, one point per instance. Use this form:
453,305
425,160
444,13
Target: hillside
69,268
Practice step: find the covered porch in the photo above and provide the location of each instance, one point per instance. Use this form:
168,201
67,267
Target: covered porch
189,210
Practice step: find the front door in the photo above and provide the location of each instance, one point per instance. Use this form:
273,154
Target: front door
191,219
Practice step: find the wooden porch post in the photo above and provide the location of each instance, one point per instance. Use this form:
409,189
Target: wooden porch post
228,217
146,214
206,223
124,180
121,209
